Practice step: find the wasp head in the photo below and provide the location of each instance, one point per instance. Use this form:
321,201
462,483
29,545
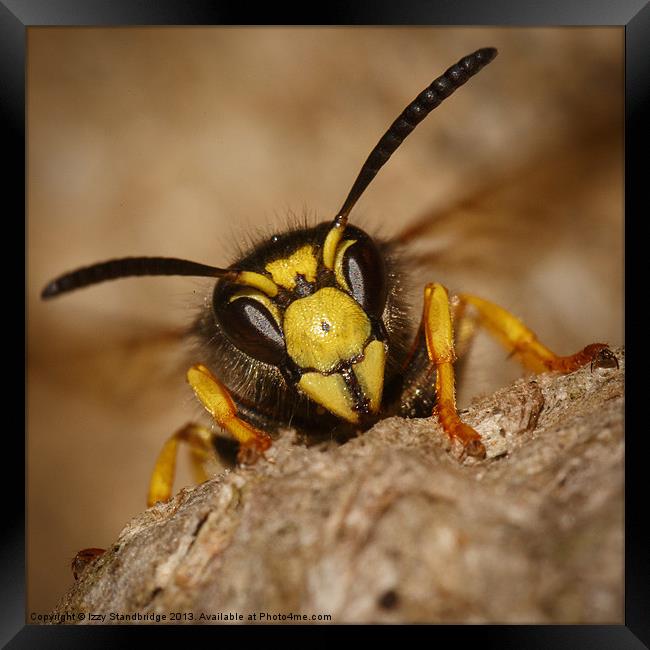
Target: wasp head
322,327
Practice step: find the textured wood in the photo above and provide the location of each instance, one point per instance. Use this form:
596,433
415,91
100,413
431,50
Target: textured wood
391,527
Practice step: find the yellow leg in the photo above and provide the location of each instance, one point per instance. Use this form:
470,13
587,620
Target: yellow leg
440,346
521,341
199,439
215,398
464,326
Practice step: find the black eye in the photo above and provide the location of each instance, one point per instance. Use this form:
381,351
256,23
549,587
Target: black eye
364,271
251,327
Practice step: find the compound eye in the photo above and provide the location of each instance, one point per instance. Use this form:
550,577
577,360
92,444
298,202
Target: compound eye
361,267
248,321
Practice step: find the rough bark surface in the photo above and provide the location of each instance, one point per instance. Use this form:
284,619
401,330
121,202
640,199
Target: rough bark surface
391,527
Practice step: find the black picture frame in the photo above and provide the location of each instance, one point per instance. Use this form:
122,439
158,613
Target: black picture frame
16,16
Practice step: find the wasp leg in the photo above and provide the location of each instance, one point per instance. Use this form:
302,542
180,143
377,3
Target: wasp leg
440,347
217,401
523,343
464,325
199,440
215,398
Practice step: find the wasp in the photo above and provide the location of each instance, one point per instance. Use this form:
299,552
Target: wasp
309,328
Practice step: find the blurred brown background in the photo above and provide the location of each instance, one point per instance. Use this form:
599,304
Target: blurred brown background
178,142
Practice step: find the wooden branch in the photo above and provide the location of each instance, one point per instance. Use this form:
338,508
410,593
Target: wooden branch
391,527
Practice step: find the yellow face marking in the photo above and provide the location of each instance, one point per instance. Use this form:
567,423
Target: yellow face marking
331,244
303,262
331,392
370,373
325,328
260,297
259,281
338,263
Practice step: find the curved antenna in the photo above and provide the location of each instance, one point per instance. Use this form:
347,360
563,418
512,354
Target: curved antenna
134,266
411,116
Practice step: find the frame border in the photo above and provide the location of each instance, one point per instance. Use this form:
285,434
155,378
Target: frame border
17,16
